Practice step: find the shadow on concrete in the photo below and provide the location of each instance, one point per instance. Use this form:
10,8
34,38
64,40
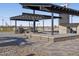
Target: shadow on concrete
31,54
13,41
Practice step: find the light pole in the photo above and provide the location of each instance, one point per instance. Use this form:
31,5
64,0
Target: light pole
2,22
10,22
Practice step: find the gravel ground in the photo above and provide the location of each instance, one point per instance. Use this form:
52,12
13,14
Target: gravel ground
63,48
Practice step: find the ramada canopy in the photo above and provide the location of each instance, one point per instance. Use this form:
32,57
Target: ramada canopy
50,8
31,17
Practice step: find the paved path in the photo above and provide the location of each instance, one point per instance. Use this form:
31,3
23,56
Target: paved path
11,39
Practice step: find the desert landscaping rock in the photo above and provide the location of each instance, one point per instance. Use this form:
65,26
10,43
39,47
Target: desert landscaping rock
41,48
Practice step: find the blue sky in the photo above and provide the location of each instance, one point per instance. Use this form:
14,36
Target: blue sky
13,9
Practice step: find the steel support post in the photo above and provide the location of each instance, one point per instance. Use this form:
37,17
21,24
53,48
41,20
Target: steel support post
52,27
15,26
43,25
34,23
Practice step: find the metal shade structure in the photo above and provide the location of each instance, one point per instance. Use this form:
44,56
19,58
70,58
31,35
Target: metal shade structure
50,8
21,18
34,17
31,17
